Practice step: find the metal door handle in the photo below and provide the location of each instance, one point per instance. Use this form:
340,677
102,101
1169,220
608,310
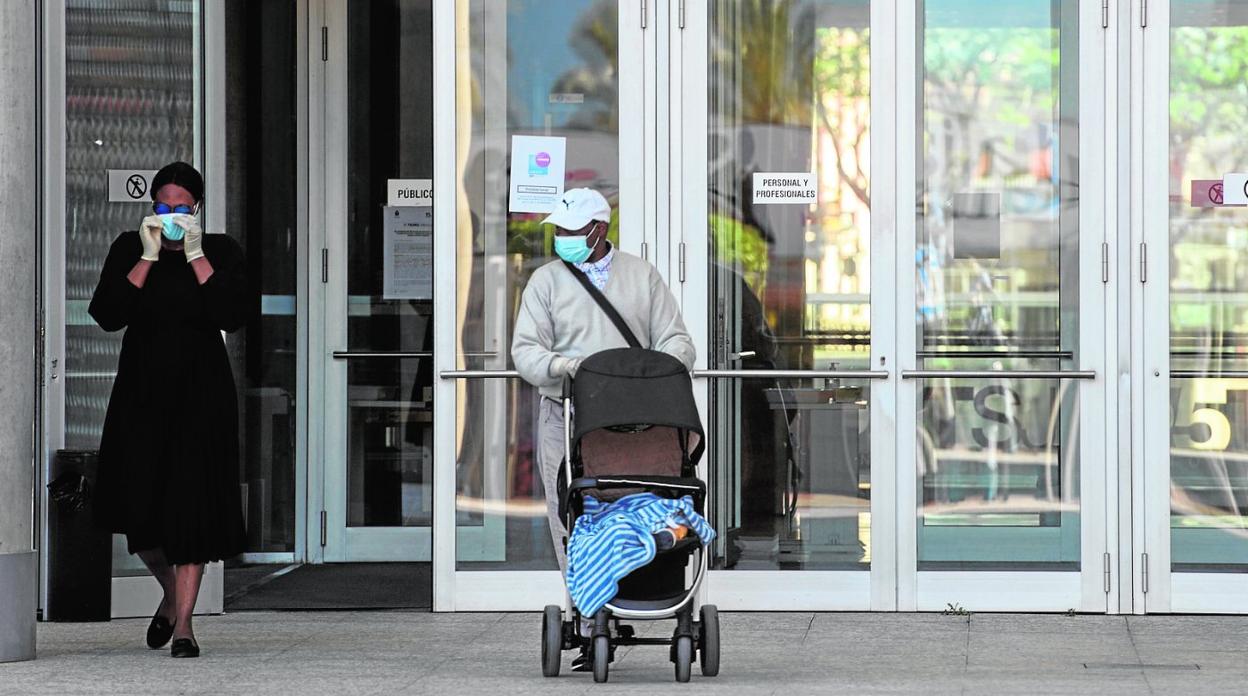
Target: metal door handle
353,354
1002,374
1212,374
743,355
791,374
479,374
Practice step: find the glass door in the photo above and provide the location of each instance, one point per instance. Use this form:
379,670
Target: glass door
537,88
1194,328
785,218
125,93
1001,465
377,273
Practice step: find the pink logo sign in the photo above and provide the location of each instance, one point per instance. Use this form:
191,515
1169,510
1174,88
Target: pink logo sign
1207,193
542,159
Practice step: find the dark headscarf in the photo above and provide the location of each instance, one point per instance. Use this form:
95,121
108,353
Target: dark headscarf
183,175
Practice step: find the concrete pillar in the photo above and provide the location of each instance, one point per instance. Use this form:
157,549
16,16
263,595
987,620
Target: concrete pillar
19,244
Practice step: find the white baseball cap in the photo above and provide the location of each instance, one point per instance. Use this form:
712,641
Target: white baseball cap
577,208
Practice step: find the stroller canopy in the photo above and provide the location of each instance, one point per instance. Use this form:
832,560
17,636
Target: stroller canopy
633,386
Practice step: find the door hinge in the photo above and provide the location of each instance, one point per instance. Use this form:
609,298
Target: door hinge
1143,13
1108,572
324,527
1144,572
1143,262
1104,262
324,44
645,251
324,265
681,11
1104,14
644,12
682,262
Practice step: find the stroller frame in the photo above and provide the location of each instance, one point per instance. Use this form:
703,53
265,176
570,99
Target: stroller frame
692,639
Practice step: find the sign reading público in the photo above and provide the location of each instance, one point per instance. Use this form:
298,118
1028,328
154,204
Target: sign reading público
779,188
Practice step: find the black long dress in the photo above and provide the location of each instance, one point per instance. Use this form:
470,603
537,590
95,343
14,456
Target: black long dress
168,475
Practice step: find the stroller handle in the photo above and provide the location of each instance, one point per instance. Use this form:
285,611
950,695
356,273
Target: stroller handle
567,428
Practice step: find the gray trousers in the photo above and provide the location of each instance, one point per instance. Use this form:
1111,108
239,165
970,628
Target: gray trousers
549,459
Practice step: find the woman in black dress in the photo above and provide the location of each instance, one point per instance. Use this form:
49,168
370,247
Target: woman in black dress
168,475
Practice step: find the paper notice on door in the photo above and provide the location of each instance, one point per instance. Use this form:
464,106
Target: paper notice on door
1235,189
407,256
537,170
781,188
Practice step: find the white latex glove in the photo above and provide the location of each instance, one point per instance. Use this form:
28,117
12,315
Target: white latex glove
150,234
193,242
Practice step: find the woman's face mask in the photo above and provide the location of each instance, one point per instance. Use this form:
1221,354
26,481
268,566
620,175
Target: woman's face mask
167,213
172,231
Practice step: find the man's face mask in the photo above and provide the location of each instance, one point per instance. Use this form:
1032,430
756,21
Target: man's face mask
575,248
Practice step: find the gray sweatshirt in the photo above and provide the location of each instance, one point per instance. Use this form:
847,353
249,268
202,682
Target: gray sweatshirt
559,323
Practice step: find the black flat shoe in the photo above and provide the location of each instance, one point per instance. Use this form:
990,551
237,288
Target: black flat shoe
184,647
159,631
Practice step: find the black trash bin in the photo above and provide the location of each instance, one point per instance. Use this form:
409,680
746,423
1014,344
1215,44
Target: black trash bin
80,555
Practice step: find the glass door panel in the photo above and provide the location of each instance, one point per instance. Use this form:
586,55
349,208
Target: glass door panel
1200,491
784,288
379,471
790,284
999,275
548,69
132,102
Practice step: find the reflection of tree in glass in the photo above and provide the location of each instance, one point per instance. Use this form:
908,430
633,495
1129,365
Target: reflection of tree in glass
595,40
843,82
761,55
986,89
759,44
1208,109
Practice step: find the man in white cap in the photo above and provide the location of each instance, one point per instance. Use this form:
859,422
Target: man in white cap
560,323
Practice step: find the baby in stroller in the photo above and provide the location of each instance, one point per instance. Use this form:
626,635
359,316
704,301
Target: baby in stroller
630,494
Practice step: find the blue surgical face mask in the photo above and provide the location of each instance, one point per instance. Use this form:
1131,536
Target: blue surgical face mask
172,231
574,249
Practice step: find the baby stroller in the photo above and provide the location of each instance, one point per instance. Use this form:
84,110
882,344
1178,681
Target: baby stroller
631,426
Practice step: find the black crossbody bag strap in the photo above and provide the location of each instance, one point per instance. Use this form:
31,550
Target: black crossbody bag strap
606,306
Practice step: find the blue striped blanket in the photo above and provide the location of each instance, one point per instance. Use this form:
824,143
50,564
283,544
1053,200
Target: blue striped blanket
611,540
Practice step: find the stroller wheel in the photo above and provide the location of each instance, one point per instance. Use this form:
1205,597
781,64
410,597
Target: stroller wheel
708,641
552,640
684,658
602,658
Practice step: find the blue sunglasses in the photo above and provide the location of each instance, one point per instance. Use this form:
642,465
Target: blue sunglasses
165,209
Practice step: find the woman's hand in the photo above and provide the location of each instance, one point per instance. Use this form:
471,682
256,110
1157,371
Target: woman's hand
193,242
149,234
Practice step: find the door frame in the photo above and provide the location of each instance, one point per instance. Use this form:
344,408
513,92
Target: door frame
835,590
132,596
473,590
338,541
1085,590
894,583
1159,589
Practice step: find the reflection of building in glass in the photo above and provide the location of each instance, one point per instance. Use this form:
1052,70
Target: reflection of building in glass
997,281
1208,298
564,86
